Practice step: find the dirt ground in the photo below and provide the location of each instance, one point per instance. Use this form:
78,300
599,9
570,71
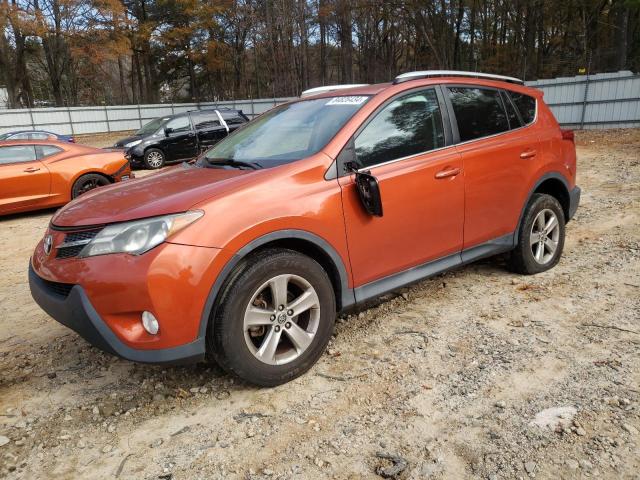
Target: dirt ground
477,373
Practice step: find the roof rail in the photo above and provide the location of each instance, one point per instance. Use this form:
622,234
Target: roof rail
405,77
330,88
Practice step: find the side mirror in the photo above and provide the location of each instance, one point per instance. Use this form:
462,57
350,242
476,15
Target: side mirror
168,131
369,192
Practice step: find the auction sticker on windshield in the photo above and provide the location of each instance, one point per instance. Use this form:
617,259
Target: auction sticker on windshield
352,100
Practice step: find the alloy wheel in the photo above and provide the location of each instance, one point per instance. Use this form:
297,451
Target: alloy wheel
544,236
154,159
281,319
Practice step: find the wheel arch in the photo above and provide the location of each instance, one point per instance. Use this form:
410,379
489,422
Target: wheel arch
156,147
301,241
553,184
78,176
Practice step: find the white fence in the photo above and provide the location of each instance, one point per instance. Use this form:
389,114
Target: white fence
604,100
83,120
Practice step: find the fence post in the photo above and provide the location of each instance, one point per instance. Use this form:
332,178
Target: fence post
73,132
139,116
33,125
584,103
253,108
106,116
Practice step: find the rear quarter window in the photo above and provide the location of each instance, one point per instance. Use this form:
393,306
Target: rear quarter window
526,105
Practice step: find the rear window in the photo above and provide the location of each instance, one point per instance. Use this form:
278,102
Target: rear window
526,105
47,150
479,112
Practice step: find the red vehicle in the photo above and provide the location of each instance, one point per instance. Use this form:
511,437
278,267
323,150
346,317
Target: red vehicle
311,209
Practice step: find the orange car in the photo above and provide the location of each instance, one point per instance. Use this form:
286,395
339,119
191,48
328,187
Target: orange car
38,174
313,208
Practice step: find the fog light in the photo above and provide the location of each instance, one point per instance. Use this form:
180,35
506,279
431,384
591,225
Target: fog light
150,323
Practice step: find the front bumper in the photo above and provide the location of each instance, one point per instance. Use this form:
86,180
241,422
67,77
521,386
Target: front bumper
574,201
75,311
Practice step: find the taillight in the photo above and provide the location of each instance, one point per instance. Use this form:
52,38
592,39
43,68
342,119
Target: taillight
568,135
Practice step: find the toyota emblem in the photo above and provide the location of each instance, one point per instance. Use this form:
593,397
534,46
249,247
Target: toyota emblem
48,243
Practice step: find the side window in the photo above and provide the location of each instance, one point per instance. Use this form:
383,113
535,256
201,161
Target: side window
44,151
20,136
407,126
479,112
180,124
233,119
205,121
17,154
526,105
38,136
514,120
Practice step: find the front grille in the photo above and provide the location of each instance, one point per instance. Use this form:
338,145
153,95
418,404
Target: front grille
60,289
69,252
74,242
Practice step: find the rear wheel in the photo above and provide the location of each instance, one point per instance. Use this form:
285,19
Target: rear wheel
541,236
275,318
88,182
154,158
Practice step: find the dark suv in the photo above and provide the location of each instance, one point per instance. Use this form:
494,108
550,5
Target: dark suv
180,137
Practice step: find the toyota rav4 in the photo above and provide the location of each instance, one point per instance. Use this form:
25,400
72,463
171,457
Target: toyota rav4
321,204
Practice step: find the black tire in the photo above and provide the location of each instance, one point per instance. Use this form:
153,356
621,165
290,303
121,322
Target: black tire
88,182
227,340
523,257
154,158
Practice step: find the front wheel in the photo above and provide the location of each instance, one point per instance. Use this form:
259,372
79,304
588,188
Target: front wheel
88,182
541,236
154,158
275,318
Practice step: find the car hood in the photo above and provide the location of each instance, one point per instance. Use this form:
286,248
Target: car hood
173,191
123,141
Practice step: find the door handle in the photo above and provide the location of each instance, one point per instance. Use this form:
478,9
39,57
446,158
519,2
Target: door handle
31,169
450,172
528,154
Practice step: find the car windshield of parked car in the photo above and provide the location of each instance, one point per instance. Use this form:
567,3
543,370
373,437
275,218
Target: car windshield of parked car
4,136
287,133
153,126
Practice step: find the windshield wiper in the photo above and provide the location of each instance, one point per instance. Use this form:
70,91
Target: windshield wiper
233,163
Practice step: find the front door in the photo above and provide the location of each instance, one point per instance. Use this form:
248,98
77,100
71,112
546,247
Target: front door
422,189
24,181
181,141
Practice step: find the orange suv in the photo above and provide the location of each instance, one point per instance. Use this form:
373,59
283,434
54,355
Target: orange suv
313,208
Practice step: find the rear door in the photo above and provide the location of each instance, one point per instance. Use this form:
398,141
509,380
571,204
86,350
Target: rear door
421,185
499,156
209,128
24,180
181,141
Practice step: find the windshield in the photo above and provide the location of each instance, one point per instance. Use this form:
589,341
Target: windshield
4,136
152,126
286,133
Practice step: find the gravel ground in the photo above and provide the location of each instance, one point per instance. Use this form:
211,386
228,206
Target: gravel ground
477,373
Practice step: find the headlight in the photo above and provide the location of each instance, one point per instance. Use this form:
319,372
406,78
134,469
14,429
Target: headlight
132,144
139,236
